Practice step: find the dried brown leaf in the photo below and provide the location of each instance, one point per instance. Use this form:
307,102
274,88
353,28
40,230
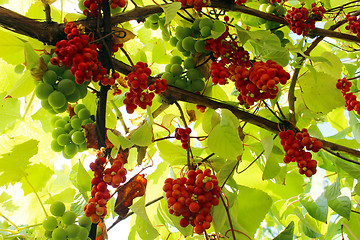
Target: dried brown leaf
134,188
38,71
122,35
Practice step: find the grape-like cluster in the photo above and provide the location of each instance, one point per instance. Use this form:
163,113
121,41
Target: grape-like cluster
141,94
259,82
114,176
191,40
350,99
118,3
57,88
240,2
262,82
81,56
154,22
198,4
62,224
191,80
301,20
68,134
183,134
193,197
294,145
353,24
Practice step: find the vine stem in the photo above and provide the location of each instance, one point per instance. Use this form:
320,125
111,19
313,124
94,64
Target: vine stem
37,195
119,116
47,11
229,217
127,56
11,222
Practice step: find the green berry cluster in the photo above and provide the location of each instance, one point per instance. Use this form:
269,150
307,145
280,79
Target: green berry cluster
154,22
68,134
58,87
190,80
62,225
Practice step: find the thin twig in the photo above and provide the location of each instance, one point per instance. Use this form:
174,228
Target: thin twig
119,219
47,11
127,56
341,157
229,217
119,116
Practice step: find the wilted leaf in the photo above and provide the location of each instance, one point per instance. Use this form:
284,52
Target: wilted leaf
134,188
38,71
122,35
101,225
91,135
192,115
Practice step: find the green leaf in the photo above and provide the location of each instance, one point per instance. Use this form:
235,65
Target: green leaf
275,53
356,131
81,179
357,188
138,207
170,11
224,139
242,34
66,196
9,112
11,48
320,99
272,167
268,144
171,153
7,203
159,53
287,233
247,212
14,163
351,168
23,86
333,191
342,206
113,139
307,226
37,181
317,209
331,65
31,57
44,117
143,136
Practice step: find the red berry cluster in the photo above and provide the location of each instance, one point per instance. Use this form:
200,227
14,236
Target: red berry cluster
240,2
141,94
201,108
193,197
350,99
183,134
219,72
96,207
114,176
353,24
276,1
118,3
81,56
301,20
294,145
92,7
259,82
198,4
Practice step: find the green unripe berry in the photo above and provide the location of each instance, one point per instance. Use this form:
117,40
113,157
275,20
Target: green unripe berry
57,208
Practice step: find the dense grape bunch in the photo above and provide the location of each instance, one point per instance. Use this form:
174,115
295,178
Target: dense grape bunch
141,94
193,197
58,87
62,224
68,134
259,82
301,20
294,145
113,176
192,80
350,99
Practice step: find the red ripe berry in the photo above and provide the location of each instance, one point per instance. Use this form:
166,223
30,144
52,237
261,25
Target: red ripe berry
184,222
194,207
177,207
198,229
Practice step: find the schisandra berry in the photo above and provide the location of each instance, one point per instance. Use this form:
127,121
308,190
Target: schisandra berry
192,198
351,103
294,145
198,4
353,24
